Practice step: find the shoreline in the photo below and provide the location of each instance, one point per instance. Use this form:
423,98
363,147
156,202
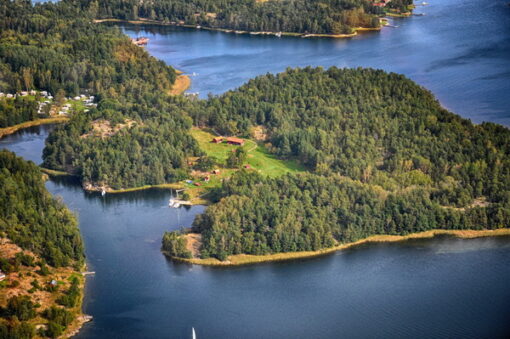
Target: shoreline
143,21
181,84
248,259
31,123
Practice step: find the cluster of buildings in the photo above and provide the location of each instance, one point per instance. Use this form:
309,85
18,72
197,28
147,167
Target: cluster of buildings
46,99
20,94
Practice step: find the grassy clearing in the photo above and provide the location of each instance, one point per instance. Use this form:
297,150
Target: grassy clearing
246,259
258,156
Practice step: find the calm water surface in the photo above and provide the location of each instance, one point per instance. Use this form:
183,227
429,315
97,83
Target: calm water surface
460,50
445,287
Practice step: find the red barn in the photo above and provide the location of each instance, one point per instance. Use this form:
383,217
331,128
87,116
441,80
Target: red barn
235,141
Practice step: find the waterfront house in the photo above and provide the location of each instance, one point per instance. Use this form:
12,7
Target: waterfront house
235,141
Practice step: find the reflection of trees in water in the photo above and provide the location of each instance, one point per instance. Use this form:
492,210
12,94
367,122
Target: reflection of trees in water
148,195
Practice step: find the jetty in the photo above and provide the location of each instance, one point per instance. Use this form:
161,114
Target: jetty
176,203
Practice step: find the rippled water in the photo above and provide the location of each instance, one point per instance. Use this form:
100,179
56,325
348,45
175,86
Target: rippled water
441,288
460,50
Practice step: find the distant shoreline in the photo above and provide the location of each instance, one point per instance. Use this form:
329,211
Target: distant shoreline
246,259
31,123
143,21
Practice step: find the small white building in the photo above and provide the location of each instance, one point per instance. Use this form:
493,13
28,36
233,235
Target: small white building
76,98
9,95
2,275
44,93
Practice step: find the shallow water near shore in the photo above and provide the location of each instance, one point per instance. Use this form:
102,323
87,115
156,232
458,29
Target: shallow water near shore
460,50
442,288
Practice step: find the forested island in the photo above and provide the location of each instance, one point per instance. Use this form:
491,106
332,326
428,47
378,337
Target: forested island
383,157
42,256
299,16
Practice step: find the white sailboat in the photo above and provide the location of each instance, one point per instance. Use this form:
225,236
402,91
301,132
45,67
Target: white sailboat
193,334
103,192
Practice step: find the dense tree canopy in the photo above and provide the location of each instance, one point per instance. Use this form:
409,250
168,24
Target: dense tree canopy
298,16
376,127
384,157
31,218
56,47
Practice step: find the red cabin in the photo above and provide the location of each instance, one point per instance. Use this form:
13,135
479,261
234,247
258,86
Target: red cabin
235,141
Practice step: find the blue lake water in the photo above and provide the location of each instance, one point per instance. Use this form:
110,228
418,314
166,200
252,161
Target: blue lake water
441,288
460,50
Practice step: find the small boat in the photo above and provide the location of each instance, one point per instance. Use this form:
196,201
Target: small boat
103,192
193,334
279,34
174,203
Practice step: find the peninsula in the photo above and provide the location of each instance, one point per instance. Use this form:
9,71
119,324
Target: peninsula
380,157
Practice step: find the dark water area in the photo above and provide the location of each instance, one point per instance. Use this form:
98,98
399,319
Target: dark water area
459,49
28,143
441,288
